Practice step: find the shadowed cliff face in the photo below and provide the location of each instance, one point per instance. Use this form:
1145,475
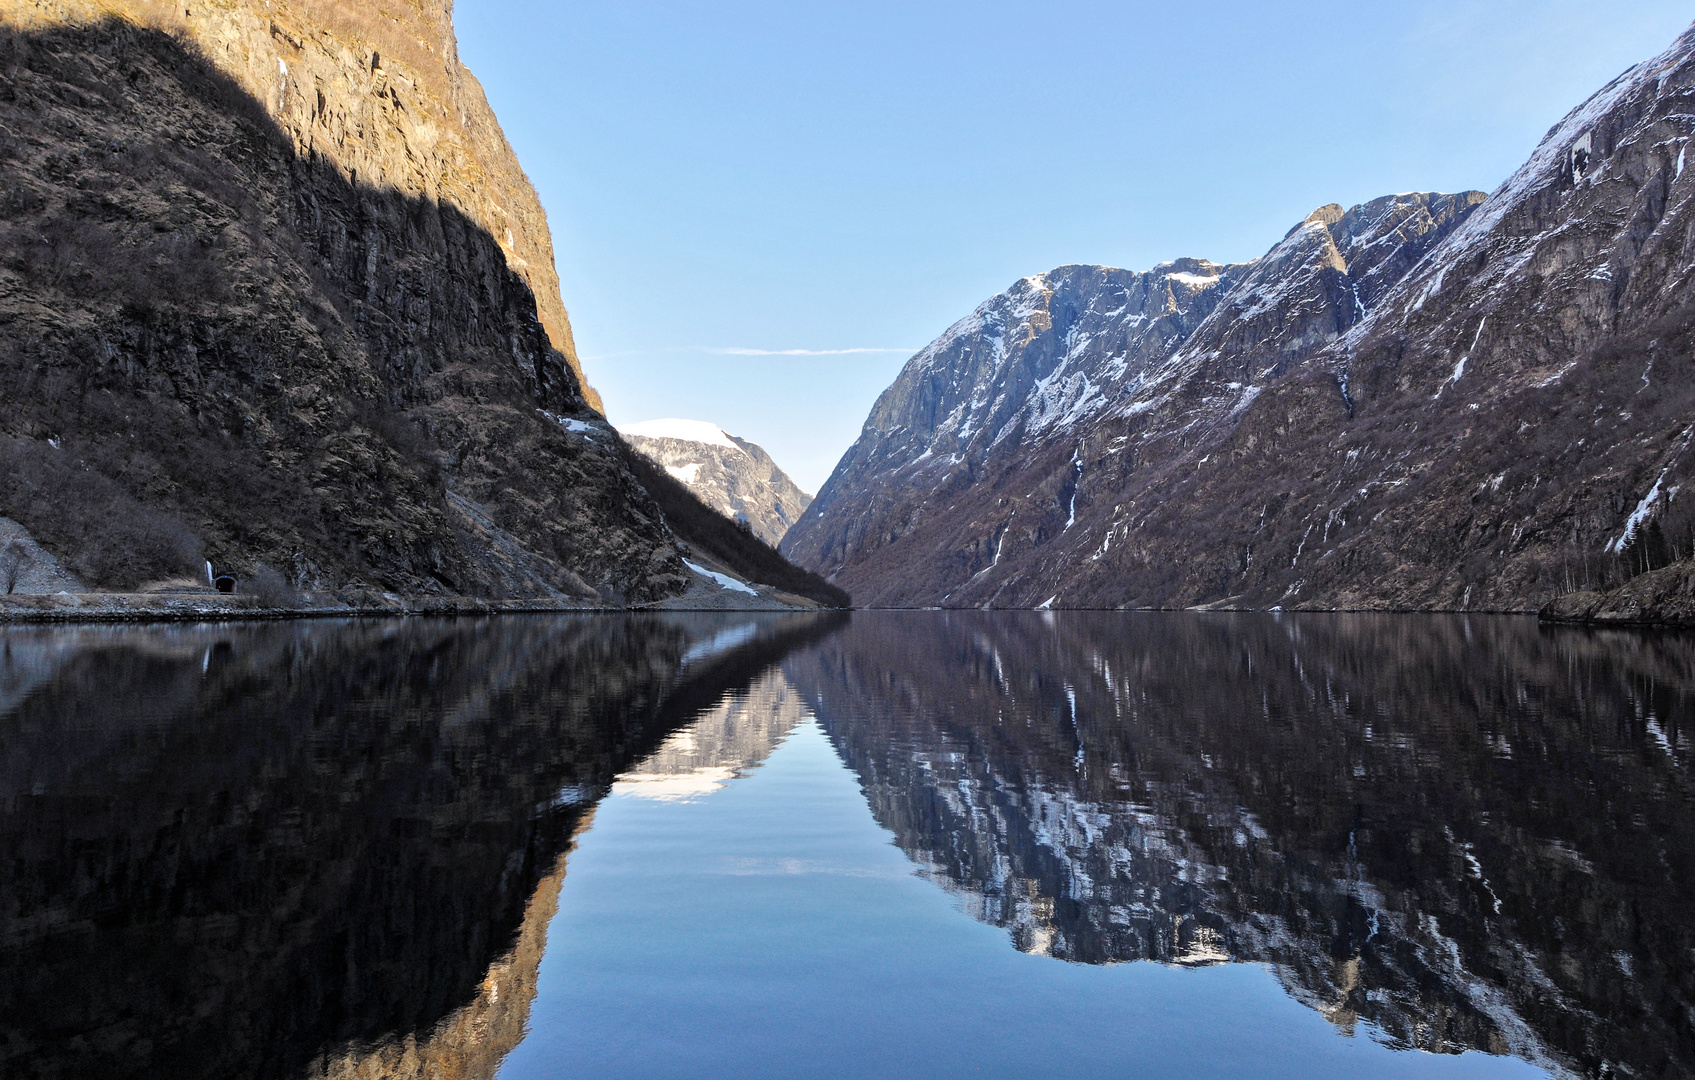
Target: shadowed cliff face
377,92
244,851
229,337
272,298
1464,834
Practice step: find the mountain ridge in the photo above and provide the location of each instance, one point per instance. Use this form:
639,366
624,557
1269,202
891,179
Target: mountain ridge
1379,413
1088,341
732,475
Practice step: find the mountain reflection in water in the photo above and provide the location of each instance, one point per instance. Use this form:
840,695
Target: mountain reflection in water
1469,832
335,849
264,850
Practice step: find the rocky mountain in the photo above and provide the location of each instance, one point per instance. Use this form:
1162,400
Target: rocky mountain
735,477
1426,401
274,291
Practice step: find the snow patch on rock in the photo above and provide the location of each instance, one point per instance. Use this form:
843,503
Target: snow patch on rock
723,580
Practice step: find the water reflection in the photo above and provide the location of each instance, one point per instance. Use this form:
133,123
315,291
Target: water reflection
725,741
326,848
336,849
1466,833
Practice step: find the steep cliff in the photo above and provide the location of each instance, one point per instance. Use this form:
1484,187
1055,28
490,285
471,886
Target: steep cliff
735,477
274,291
1423,402
377,91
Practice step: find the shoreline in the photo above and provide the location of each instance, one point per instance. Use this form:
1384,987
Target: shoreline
109,608
86,608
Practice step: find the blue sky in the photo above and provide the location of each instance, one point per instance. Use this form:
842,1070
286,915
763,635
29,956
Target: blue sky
744,194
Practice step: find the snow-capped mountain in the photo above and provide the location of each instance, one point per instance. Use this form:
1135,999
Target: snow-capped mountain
976,458
733,476
1427,400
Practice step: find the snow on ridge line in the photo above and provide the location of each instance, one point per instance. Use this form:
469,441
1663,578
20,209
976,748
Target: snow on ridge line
698,431
1013,305
1193,279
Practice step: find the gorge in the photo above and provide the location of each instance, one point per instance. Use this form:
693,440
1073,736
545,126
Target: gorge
461,732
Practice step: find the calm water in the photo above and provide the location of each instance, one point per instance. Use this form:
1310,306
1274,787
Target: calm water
878,845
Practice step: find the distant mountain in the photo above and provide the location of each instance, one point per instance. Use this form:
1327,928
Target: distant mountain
733,476
1427,401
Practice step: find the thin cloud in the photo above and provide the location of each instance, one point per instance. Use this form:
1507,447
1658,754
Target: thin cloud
802,352
734,351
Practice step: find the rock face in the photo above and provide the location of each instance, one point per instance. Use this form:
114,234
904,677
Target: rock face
1427,401
735,477
275,291
1662,597
26,567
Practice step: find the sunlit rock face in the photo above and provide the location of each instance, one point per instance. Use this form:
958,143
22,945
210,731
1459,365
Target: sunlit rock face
379,95
1460,837
251,851
1424,401
735,477
991,439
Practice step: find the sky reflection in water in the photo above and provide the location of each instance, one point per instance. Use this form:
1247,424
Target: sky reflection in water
774,929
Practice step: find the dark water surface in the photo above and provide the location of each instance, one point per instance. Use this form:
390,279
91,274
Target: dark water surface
879,845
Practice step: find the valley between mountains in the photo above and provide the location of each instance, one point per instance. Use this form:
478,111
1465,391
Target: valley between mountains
278,303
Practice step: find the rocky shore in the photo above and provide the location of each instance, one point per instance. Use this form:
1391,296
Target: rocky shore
1662,598
208,605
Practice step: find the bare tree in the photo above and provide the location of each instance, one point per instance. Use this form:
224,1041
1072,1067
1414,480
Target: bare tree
14,557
